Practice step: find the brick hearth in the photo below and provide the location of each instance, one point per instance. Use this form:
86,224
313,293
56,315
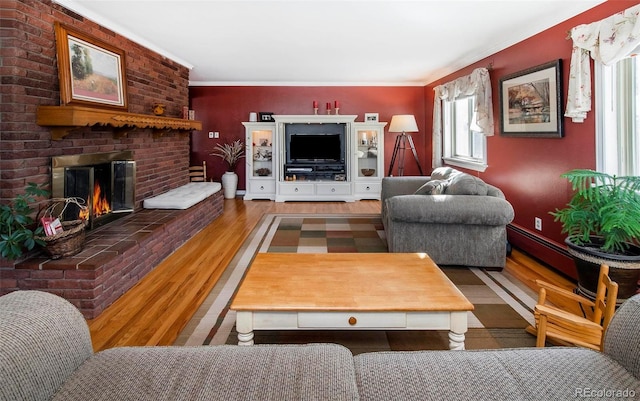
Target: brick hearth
116,256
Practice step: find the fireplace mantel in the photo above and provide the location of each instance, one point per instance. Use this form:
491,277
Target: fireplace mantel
64,119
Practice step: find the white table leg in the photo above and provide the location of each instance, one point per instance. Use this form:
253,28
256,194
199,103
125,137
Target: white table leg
244,326
457,330
456,341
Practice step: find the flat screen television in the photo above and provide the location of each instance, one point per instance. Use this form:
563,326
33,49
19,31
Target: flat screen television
316,147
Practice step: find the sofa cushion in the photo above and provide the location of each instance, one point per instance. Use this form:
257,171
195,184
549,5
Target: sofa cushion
183,197
226,373
465,184
622,339
448,209
433,187
43,340
442,173
557,373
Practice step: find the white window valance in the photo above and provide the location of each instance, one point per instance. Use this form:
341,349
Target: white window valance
607,41
477,83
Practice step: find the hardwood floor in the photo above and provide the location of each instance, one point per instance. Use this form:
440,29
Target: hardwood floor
156,309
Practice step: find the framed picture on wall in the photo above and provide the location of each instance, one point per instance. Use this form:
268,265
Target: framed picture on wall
531,101
371,117
266,116
91,72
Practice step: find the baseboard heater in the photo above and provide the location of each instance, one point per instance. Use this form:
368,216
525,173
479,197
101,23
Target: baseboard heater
539,240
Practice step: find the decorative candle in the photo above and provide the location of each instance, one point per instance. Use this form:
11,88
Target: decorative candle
328,105
315,104
336,104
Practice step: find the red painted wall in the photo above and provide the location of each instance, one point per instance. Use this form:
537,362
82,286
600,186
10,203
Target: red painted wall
528,169
224,108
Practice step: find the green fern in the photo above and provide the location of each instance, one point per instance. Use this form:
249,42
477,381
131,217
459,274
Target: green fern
604,206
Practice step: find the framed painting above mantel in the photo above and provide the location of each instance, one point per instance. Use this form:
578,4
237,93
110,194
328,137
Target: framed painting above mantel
531,101
91,71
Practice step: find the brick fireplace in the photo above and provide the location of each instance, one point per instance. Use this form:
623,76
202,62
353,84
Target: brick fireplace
30,79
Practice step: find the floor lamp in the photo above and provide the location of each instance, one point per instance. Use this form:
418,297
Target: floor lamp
403,123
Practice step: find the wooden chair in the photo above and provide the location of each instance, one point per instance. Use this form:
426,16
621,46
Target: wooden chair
566,328
198,173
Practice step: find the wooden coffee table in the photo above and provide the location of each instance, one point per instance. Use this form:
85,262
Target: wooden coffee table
349,291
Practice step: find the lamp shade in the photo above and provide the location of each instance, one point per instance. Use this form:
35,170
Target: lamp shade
403,123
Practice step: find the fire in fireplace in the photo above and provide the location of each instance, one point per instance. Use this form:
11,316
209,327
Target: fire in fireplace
105,181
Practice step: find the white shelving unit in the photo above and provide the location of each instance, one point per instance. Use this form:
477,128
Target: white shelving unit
369,159
261,171
270,177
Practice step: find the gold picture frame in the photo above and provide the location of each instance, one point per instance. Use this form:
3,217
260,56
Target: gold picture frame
91,71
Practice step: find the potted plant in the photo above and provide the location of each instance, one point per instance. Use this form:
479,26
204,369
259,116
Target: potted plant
231,154
602,223
17,228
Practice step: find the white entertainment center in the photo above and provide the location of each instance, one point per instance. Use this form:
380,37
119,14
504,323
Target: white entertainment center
314,158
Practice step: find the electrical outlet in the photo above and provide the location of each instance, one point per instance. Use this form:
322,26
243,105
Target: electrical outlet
210,134
538,223
216,134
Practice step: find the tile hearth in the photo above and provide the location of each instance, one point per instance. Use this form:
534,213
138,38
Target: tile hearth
107,242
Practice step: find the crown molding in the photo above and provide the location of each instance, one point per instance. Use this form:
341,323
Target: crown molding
78,8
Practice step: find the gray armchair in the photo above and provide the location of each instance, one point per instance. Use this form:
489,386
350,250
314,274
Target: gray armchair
452,227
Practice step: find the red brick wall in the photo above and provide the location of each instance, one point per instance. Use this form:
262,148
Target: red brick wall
30,78
28,69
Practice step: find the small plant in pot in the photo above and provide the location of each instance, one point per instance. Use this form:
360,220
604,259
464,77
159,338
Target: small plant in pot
18,231
231,153
602,223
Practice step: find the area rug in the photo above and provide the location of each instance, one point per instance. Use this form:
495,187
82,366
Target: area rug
503,305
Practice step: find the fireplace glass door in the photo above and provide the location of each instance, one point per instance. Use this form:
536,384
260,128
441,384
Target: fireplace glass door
105,185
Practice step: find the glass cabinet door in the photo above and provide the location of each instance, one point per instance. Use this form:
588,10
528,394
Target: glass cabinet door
367,152
262,149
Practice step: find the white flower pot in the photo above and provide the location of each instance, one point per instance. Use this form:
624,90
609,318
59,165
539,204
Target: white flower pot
229,184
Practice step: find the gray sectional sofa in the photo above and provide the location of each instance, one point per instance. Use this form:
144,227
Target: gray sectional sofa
46,353
456,218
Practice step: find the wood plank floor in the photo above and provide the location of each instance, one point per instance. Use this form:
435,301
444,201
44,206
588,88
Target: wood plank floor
156,309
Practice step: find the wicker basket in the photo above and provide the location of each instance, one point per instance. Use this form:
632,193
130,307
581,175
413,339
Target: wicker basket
67,243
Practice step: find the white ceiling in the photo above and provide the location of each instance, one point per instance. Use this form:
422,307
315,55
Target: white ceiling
330,42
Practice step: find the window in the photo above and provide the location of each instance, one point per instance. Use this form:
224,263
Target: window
468,120
463,144
618,118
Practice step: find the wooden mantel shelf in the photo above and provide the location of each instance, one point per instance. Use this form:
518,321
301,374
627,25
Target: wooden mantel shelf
64,119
